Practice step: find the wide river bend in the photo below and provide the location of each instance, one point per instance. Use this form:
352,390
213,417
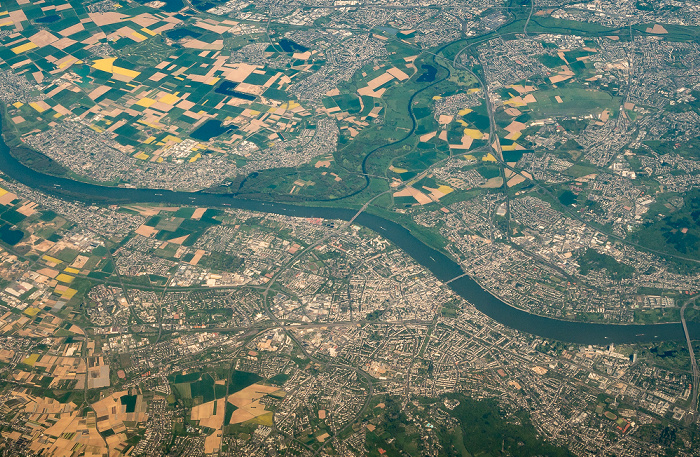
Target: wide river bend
443,267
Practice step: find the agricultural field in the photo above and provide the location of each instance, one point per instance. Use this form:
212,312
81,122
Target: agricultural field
225,403
317,228
184,102
156,89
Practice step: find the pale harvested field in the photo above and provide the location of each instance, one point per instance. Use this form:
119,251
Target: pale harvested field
559,78
193,43
248,402
179,240
80,261
108,18
80,431
445,119
197,257
415,193
427,136
658,29
380,80
529,98
515,180
515,126
204,413
146,231
398,74
113,413
198,213
240,73
152,210
50,272
6,198
43,38
466,143
212,442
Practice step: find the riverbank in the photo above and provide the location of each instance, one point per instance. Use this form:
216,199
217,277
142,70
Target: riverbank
443,267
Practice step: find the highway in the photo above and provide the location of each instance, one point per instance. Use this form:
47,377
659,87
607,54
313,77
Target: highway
693,363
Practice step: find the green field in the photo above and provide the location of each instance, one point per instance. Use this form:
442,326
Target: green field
576,102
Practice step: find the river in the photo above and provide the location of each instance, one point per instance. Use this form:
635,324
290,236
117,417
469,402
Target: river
439,264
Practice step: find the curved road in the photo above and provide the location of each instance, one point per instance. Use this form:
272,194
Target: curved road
693,363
